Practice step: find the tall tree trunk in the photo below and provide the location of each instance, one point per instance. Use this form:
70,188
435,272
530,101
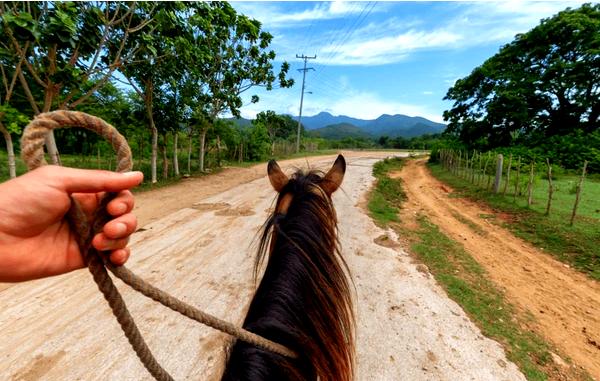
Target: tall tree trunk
141,150
153,158
165,159
148,101
218,151
202,148
189,156
175,158
50,141
12,167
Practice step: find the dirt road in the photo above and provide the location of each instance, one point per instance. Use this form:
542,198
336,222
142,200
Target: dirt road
564,302
196,242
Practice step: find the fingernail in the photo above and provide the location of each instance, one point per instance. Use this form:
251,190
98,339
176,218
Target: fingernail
120,208
133,174
120,228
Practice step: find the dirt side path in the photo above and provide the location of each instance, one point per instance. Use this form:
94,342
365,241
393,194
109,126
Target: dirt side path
60,328
564,302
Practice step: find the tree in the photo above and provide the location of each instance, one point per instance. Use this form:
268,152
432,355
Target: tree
235,61
544,83
277,126
11,120
65,51
155,63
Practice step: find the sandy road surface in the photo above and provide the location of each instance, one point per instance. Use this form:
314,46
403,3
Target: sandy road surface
564,302
61,328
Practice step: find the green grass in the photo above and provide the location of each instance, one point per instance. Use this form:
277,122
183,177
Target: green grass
464,280
387,192
575,245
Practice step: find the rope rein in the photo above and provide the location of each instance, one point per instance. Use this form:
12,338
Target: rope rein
32,152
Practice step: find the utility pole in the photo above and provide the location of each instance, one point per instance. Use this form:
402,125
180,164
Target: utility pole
305,58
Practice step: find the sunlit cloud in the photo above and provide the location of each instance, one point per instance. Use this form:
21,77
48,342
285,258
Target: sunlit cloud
388,49
274,16
395,39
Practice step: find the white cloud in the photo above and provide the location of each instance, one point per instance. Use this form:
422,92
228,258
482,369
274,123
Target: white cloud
366,105
388,49
274,16
394,39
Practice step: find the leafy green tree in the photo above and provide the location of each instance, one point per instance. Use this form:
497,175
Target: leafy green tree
155,63
545,83
277,126
237,59
63,52
259,143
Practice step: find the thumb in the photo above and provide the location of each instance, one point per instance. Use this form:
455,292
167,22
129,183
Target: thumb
73,180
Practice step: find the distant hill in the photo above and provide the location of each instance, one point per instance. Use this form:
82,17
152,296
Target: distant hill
242,122
339,131
329,126
324,119
390,125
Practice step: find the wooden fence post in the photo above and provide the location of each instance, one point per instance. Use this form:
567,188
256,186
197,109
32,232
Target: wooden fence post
530,187
507,175
550,187
499,163
517,179
466,168
473,167
578,195
489,178
483,174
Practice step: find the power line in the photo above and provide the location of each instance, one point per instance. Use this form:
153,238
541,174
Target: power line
305,58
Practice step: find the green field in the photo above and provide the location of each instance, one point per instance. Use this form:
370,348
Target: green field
575,245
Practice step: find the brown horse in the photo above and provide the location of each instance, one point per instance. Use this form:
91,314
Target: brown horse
303,300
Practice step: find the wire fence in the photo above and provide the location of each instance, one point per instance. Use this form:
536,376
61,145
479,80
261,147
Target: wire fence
543,186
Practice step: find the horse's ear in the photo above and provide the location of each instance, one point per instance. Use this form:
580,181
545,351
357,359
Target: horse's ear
333,179
277,178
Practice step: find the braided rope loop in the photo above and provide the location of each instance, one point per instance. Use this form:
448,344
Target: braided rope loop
32,142
32,152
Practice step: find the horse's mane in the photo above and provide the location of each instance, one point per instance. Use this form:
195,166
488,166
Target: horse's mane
305,291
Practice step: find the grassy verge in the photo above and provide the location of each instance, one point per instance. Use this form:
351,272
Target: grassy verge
387,193
464,280
575,245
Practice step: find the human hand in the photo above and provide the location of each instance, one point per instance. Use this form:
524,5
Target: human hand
36,240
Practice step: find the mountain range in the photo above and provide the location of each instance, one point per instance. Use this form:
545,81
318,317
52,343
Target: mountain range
328,126
337,127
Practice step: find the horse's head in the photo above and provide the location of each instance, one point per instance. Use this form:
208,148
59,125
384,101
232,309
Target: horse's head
313,182
304,247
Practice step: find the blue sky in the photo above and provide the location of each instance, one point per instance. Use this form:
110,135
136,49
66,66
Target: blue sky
384,57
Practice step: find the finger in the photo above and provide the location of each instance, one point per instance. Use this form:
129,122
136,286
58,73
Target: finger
121,227
120,256
102,243
87,180
121,204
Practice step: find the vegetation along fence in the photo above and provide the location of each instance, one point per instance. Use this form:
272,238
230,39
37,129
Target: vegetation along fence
541,186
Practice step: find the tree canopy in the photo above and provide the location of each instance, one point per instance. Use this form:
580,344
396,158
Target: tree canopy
543,84
185,61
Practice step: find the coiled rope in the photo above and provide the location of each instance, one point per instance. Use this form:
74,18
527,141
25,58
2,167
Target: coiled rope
32,152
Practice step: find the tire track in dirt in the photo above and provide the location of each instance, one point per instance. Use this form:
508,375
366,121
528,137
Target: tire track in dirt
564,302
